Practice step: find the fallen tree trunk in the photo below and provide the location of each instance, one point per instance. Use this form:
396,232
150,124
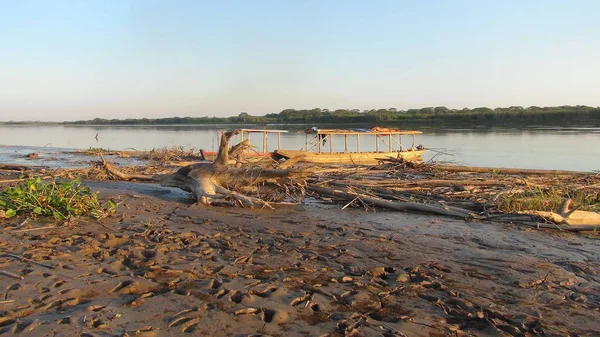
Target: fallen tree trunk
579,228
396,205
124,176
569,215
576,218
15,167
536,221
502,170
402,194
430,183
205,180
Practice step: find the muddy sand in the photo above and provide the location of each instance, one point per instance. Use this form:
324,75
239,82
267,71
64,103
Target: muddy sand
165,267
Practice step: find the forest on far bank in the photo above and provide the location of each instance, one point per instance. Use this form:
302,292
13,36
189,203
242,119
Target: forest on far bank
514,115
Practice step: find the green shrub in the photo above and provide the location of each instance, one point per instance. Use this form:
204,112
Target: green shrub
61,200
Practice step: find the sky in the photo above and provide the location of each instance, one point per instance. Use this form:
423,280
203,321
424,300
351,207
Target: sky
73,60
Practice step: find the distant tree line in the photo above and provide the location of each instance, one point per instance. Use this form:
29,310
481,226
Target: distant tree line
567,115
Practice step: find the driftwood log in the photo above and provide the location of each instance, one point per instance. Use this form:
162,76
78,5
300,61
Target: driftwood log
570,216
531,219
502,170
396,205
15,167
207,180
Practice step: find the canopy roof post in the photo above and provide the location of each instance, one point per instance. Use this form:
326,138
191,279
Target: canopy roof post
345,143
265,144
278,141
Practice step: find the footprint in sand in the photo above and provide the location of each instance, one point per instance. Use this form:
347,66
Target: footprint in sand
237,296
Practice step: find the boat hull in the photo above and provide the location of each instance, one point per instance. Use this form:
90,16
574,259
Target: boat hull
210,155
362,158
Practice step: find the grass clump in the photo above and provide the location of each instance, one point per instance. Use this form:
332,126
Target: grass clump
94,151
549,200
61,200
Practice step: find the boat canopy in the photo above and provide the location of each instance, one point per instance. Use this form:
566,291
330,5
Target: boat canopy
373,131
245,134
391,139
261,131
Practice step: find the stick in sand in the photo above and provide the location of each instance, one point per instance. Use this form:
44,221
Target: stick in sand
32,229
9,274
24,259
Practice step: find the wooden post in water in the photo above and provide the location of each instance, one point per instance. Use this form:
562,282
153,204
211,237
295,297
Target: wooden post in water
358,143
330,143
376,143
318,142
390,141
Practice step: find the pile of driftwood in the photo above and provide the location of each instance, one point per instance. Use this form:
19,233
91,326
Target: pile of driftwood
468,193
465,192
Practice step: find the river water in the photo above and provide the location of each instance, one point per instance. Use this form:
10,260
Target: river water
576,148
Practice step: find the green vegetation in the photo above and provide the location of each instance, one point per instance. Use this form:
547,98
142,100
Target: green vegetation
94,151
562,115
549,200
61,200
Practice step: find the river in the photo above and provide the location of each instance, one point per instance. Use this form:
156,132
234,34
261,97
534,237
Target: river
575,148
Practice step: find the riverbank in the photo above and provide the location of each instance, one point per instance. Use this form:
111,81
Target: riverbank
163,267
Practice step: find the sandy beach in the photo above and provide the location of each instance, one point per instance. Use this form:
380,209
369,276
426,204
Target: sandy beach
165,267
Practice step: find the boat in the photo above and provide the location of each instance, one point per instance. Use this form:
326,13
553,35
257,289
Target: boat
319,147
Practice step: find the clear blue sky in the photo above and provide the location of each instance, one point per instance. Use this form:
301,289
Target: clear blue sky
65,60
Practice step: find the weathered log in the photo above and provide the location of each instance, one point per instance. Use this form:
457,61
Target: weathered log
401,194
16,167
121,175
427,182
578,228
535,220
502,170
575,218
569,215
205,180
396,205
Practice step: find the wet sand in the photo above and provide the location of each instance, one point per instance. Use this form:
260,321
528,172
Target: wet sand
164,267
